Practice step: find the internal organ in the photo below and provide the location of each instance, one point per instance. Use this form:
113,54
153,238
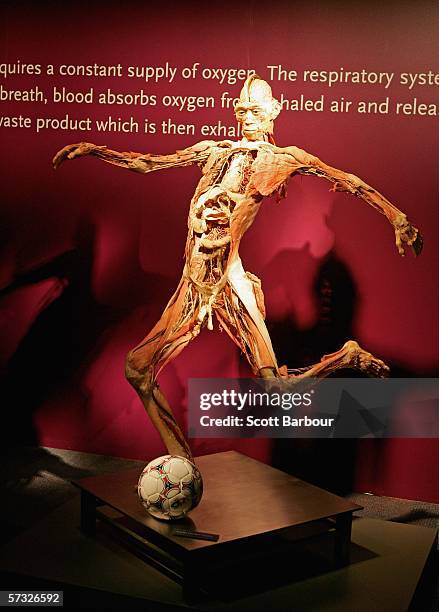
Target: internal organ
211,222
213,209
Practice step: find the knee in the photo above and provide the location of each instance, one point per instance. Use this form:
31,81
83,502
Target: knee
139,376
268,372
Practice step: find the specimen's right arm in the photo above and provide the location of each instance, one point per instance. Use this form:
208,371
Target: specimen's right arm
138,162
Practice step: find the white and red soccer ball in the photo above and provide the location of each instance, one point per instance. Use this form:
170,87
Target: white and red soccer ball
169,487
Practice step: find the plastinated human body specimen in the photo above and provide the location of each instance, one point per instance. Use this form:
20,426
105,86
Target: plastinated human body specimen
236,177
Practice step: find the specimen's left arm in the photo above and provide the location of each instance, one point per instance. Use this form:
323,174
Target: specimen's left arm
405,233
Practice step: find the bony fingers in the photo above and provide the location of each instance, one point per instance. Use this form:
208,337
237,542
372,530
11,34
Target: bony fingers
59,158
73,154
79,150
62,155
399,245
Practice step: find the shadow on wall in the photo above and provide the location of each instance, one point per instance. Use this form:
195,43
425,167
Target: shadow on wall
63,332
61,350
326,463
330,464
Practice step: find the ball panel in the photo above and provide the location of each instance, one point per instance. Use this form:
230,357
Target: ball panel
178,470
151,485
157,463
169,487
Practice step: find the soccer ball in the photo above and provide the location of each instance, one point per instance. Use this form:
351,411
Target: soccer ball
169,487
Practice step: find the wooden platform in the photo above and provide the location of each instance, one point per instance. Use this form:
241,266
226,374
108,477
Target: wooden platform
254,508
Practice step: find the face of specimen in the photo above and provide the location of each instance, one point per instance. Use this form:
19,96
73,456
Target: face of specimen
255,121
256,109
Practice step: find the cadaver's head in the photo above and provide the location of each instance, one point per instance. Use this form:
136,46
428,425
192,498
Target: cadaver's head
256,109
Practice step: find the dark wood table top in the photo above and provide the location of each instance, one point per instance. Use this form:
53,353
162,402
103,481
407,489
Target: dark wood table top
242,498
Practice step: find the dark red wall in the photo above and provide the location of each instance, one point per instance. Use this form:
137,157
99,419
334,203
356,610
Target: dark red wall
90,254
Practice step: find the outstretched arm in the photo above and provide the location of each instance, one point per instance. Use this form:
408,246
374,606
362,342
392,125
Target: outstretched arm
292,160
405,233
138,162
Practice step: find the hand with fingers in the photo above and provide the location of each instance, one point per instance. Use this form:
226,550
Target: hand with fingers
406,235
74,150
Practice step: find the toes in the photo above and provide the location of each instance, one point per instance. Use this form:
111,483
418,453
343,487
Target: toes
372,366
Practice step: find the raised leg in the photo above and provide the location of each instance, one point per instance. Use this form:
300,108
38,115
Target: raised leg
241,314
352,356
240,311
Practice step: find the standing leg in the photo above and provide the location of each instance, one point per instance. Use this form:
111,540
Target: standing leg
177,326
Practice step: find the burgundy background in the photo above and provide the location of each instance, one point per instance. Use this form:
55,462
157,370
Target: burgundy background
90,254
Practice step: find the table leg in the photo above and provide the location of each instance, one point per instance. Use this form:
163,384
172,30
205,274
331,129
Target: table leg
191,578
88,513
343,528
